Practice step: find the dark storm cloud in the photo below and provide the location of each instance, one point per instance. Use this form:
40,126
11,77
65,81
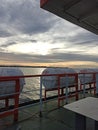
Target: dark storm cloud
4,33
24,16
13,42
8,44
33,41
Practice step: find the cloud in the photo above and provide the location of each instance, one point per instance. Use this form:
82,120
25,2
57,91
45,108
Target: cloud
33,41
50,58
4,33
83,38
23,17
8,44
24,23
62,57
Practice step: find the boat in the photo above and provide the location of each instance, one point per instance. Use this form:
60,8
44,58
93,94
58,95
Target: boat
49,113
44,113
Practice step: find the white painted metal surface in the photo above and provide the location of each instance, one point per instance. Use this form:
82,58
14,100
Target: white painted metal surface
87,107
8,87
52,81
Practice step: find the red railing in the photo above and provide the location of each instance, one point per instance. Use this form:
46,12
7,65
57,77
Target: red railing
77,87
42,2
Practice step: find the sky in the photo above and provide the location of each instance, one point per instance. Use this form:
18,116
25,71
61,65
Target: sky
32,36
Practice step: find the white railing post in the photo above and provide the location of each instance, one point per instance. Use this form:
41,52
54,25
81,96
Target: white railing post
41,102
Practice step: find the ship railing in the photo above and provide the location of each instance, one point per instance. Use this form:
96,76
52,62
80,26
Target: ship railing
78,87
88,81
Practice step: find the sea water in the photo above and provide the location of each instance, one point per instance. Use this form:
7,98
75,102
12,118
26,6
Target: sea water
31,90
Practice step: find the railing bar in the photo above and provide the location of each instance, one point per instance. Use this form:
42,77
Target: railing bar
66,94
41,102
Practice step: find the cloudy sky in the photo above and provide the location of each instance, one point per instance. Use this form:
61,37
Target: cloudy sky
30,35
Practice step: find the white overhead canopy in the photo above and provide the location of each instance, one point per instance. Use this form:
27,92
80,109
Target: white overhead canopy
80,12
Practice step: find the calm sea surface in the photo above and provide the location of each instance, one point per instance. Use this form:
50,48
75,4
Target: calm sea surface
32,86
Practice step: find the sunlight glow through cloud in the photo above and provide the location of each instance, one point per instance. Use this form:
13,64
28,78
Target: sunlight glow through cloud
33,48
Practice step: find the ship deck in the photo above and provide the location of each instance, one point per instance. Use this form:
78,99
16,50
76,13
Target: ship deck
52,118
